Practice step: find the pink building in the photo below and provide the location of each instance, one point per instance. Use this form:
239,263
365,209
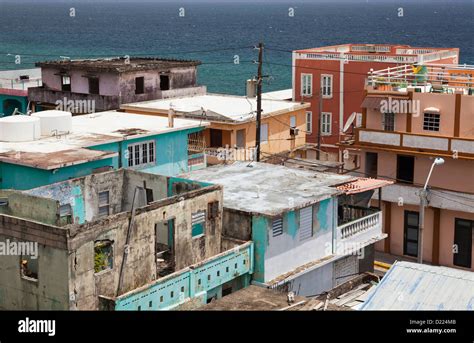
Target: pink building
412,114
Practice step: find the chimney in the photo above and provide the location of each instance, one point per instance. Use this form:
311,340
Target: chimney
171,117
251,88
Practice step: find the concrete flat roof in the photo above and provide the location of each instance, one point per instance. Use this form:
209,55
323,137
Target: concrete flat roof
283,94
269,189
119,64
10,79
217,107
49,152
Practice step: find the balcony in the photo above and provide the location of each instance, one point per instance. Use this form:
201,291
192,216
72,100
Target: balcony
49,96
357,228
189,285
409,142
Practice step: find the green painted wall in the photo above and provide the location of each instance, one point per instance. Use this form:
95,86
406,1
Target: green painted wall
9,102
171,159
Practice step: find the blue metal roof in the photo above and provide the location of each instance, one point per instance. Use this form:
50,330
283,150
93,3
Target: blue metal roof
413,286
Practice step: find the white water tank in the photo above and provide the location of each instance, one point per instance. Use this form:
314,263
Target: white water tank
19,128
54,122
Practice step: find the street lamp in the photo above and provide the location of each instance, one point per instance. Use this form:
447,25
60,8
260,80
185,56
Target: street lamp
423,193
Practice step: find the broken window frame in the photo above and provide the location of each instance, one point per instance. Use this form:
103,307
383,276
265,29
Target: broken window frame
34,275
102,206
65,211
107,262
140,85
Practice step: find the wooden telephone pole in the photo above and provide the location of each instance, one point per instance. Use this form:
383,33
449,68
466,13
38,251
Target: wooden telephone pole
259,100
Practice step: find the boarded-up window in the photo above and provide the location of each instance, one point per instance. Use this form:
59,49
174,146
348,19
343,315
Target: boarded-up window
277,227
306,223
104,204
198,220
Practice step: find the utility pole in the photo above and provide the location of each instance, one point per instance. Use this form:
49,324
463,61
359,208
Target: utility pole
259,100
421,219
319,121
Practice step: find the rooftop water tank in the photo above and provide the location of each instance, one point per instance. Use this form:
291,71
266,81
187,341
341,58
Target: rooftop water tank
19,128
54,122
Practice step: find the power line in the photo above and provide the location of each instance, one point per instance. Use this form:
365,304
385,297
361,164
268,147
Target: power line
131,54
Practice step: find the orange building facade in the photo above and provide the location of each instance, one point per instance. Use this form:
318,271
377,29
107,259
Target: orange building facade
340,73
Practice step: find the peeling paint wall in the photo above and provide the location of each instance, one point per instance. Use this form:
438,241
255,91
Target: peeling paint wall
141,265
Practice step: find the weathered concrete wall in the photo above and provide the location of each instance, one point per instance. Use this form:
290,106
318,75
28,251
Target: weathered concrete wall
133,179
179,78
30,207
50,291
83,194
140,267
237,225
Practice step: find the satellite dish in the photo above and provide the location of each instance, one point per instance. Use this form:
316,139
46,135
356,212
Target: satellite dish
349,122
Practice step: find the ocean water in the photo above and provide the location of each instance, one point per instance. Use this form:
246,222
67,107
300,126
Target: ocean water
42,31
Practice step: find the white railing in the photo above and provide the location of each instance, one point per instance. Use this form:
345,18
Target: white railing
357,57
358,226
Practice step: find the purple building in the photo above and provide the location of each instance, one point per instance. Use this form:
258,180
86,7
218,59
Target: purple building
84,86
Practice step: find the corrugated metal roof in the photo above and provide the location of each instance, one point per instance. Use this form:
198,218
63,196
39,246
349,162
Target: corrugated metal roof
413,286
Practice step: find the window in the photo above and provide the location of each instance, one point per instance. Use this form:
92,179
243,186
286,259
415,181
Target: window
213,210
405,168
139,85
306,223
264,133
431,122
65,214
240,138
293,121
66,83
29,267
326,119
93,85
164,82
140,154
326,86
371,164
309,121
388,121
277,227
410,237
462,255
216,138
306,84
103,255
198,221
104,205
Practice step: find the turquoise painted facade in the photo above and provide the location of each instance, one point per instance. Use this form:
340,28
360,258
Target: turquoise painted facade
197,283
321,241
171,159
8,103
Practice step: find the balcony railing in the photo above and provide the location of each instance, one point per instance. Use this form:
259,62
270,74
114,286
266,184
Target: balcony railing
461,147
349,230
191,282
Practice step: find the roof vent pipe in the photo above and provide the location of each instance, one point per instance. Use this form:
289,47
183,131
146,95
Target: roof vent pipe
171,117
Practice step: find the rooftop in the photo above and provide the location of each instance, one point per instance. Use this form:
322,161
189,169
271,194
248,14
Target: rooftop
119,64
269,189
379,53
284,94
253,298
52,152
413,286
216,107
18,81
431,78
